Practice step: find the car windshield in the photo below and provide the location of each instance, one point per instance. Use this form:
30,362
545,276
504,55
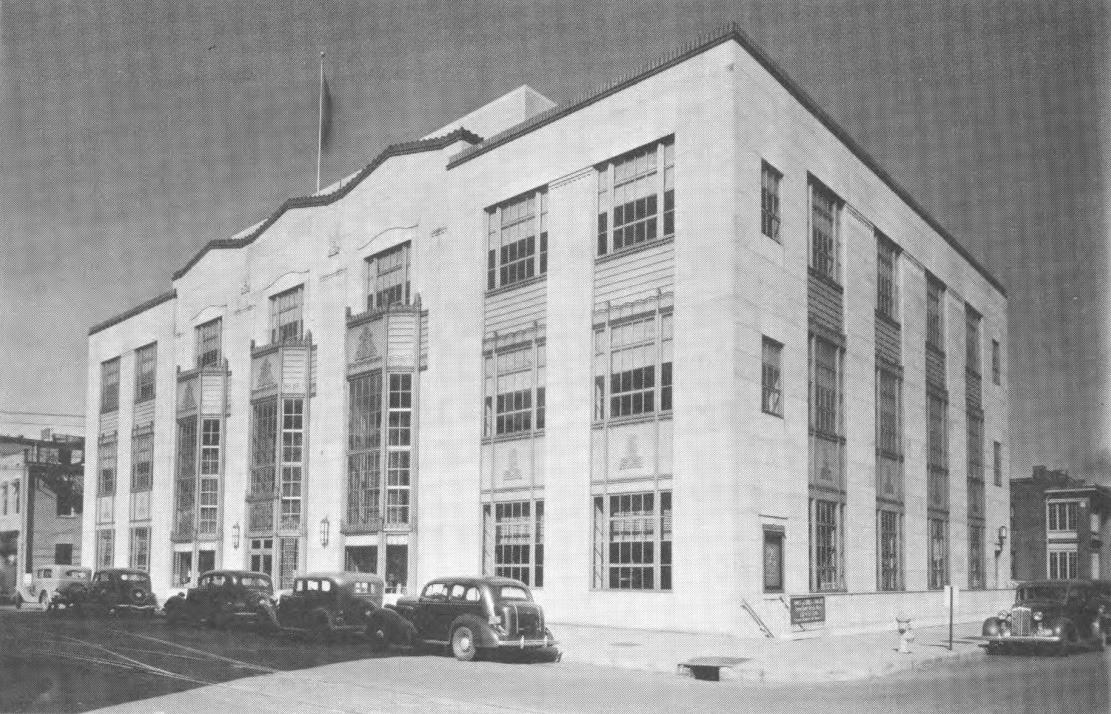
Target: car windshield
77,574
512,592
135,577
1042,592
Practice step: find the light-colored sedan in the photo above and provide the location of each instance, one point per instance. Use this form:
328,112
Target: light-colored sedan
48,578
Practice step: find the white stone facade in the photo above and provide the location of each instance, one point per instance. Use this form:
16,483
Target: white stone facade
715,283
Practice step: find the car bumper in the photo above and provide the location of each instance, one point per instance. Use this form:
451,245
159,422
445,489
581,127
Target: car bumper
527,643
1023,639
135,608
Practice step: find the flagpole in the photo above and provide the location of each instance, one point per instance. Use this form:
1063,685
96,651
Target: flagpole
320,124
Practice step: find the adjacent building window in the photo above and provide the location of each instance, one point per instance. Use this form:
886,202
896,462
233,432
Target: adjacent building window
145,359
769,200
63,553
887,291
293,436
891,550
825,239
633,541
637,352
4,496
364,455
889,408
104,548
15,495
935,323
514,389
399,449
997,465
186,478
110,385
209,338
517,233
388,278
975,466
976,577
996,361
938,555
518,542
286,315
106,479
1062,516
140,548
638,185
142,462
261,555
937,450
210,476
1063,563
771,379
826,380
826,546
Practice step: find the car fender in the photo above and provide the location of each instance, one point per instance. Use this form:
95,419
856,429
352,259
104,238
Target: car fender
398,628
483,635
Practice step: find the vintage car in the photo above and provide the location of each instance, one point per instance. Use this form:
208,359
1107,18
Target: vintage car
47,579
222,597
111,591
471,614
1059,614
326,604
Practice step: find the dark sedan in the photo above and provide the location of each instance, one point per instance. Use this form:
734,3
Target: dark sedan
1059,614
222,597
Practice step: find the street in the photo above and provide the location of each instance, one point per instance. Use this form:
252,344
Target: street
69,664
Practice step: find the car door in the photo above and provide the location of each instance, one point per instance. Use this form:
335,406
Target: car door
453,607
424,615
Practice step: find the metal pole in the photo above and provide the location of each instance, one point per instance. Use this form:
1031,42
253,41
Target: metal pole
320,124
950,618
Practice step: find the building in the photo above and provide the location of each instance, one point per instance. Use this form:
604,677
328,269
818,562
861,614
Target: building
773,373
1059,526
40,504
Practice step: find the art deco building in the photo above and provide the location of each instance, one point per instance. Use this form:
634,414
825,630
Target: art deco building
673,354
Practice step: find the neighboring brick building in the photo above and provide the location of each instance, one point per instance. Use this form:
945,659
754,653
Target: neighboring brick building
1060,527
39,525
671,353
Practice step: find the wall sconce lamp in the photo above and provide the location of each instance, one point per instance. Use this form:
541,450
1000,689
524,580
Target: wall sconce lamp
325,527
235,536
1001,535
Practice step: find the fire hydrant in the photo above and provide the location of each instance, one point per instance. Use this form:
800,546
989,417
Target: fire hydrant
906,633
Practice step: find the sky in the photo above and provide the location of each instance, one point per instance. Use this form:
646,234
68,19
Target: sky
132,134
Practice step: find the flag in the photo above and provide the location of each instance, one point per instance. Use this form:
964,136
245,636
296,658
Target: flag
325,113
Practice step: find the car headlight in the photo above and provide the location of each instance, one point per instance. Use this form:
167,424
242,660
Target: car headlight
1003,615
1037,617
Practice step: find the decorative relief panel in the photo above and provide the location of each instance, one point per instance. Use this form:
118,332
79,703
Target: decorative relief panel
187,395
265,371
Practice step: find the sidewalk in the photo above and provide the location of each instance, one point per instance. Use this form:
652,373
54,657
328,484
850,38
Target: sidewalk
819,658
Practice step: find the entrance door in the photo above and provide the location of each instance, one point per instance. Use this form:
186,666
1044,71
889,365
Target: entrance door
361,559
183,568
397,568
206,560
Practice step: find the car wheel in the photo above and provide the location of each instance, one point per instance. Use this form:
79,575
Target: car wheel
322,630
462,644
1097,636
18,601
377,633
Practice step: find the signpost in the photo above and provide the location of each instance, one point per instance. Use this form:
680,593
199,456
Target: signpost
808,609
951,603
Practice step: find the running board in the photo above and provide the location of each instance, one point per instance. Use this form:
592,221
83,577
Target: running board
759,623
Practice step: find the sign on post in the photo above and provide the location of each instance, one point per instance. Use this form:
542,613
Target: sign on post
808,609
950,593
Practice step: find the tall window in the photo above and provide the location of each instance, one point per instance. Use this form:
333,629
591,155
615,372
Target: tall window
106,479
264,443
891,550
364,444
399,449
388,278
186,477
517,233
997,462
634,355
15,495
889,424
518,547
145,358
633,541
140,548
937,451
976,577
887,297
210,476
938,555
975,466
110,385
826,404
286,315
1063,563
639,185
514,390
142,458
209,338
1062,516
773,560
972,340
769,200
104,548
771,378
996,361
4,492
935,324
826,539
293,436
825,220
